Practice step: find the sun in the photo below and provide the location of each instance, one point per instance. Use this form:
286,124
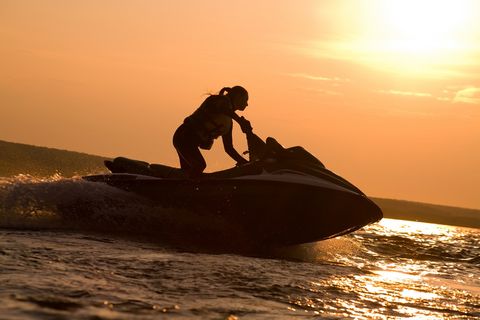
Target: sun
408,36
425,26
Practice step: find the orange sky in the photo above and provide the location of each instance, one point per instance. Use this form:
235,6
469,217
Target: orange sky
387,96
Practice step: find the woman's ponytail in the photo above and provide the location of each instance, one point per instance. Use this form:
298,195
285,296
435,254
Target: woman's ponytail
224,89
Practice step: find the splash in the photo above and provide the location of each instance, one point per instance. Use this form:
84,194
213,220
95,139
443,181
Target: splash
62,203
327,250
54,202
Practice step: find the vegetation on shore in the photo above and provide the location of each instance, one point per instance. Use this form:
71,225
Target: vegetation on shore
427,212
17,158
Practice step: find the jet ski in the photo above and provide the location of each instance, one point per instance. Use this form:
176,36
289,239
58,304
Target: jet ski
283,196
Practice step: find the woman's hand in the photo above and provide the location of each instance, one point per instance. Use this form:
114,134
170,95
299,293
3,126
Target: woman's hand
245,125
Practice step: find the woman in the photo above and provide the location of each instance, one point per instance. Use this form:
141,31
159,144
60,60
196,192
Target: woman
210,121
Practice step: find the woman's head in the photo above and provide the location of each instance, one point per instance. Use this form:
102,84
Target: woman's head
238,96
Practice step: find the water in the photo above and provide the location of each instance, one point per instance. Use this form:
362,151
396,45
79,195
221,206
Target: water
62,257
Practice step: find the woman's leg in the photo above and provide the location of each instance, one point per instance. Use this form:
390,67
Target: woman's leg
191,159
183,164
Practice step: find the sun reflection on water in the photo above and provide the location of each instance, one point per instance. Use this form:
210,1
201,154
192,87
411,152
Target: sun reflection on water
395,276
416,228
413,294
400,270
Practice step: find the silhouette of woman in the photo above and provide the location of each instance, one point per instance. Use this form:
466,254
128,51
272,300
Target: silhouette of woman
210,121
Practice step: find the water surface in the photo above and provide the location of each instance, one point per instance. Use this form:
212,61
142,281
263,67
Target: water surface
51,270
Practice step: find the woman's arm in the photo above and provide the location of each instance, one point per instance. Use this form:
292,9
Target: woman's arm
230,150
224,107
244,123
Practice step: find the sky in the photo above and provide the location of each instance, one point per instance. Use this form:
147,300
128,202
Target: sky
384,93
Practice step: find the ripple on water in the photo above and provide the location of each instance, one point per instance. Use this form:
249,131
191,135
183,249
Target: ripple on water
385,271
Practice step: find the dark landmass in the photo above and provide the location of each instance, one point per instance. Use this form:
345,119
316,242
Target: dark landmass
16,158
426,212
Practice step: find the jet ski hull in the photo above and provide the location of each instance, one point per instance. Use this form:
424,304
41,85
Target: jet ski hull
269,212
283,196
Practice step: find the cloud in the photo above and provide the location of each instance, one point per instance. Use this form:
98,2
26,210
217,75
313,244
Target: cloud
406,93
468,95
324,92
382,57
317,78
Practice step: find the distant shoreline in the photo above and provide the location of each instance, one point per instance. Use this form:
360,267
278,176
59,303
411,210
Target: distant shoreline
17,158
430,213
